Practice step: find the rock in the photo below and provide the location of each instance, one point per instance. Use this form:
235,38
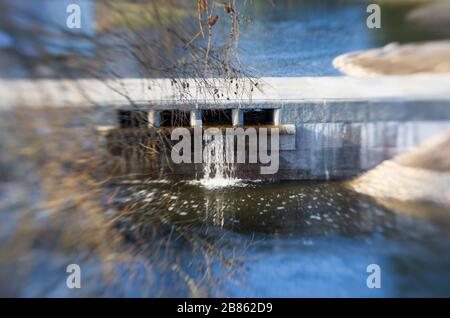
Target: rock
420,175
433,155
396,59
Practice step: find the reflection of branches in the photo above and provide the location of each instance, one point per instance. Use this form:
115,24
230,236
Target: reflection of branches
146,222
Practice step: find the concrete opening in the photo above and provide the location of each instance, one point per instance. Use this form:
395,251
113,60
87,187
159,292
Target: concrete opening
217,117
174,118
257,117
132,118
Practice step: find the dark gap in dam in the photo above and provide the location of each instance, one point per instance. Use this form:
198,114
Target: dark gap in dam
217,117
132,118
174,118
257,117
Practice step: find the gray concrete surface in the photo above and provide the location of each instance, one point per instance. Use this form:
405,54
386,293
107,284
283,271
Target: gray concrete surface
160,93
343,126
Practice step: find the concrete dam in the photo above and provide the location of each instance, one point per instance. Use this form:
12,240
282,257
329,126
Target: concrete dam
329,128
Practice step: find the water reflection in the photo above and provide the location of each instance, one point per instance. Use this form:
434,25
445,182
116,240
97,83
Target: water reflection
309,239
288,208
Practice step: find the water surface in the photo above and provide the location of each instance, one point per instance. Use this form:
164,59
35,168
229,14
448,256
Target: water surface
309,239
301,38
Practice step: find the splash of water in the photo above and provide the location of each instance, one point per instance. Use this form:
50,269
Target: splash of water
218,172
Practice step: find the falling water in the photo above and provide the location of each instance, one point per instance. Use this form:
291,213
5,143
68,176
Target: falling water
218,168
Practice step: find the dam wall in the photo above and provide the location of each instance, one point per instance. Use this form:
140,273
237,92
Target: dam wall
327,139
341,139
331,128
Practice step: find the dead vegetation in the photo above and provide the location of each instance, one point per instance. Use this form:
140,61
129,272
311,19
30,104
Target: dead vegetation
65,205
70,210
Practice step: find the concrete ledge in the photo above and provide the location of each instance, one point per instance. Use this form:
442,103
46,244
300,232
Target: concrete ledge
271,93
335,127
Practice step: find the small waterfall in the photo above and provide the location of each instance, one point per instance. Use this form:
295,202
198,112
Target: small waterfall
218,168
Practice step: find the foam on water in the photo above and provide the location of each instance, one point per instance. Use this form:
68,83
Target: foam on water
215,183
